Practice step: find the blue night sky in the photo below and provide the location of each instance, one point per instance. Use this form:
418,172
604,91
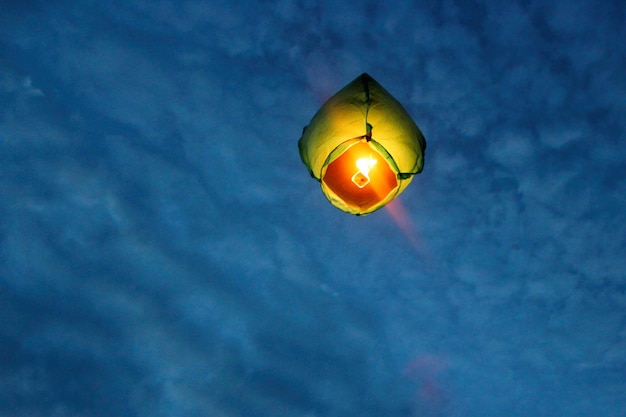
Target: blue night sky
164,251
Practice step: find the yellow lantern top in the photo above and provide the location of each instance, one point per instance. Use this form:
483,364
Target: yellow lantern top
363,147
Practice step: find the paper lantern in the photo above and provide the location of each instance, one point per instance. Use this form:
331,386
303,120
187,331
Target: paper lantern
363,147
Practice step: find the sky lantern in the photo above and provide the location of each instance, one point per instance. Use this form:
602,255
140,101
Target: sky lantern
363,147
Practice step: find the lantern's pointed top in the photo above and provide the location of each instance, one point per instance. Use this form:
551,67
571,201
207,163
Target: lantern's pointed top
366,79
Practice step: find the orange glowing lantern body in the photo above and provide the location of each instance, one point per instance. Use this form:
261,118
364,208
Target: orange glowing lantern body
363,147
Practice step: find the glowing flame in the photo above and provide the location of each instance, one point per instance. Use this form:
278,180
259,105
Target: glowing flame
361,178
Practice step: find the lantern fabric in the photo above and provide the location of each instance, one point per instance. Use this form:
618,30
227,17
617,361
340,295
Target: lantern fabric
363,147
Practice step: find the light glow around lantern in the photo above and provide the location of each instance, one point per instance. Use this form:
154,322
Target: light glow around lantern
361,177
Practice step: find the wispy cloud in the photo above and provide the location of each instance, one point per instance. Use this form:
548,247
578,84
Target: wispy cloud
164,252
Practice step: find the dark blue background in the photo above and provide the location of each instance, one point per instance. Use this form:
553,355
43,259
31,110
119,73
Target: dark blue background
164,252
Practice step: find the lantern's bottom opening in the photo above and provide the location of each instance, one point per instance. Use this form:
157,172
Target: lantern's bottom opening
356,188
